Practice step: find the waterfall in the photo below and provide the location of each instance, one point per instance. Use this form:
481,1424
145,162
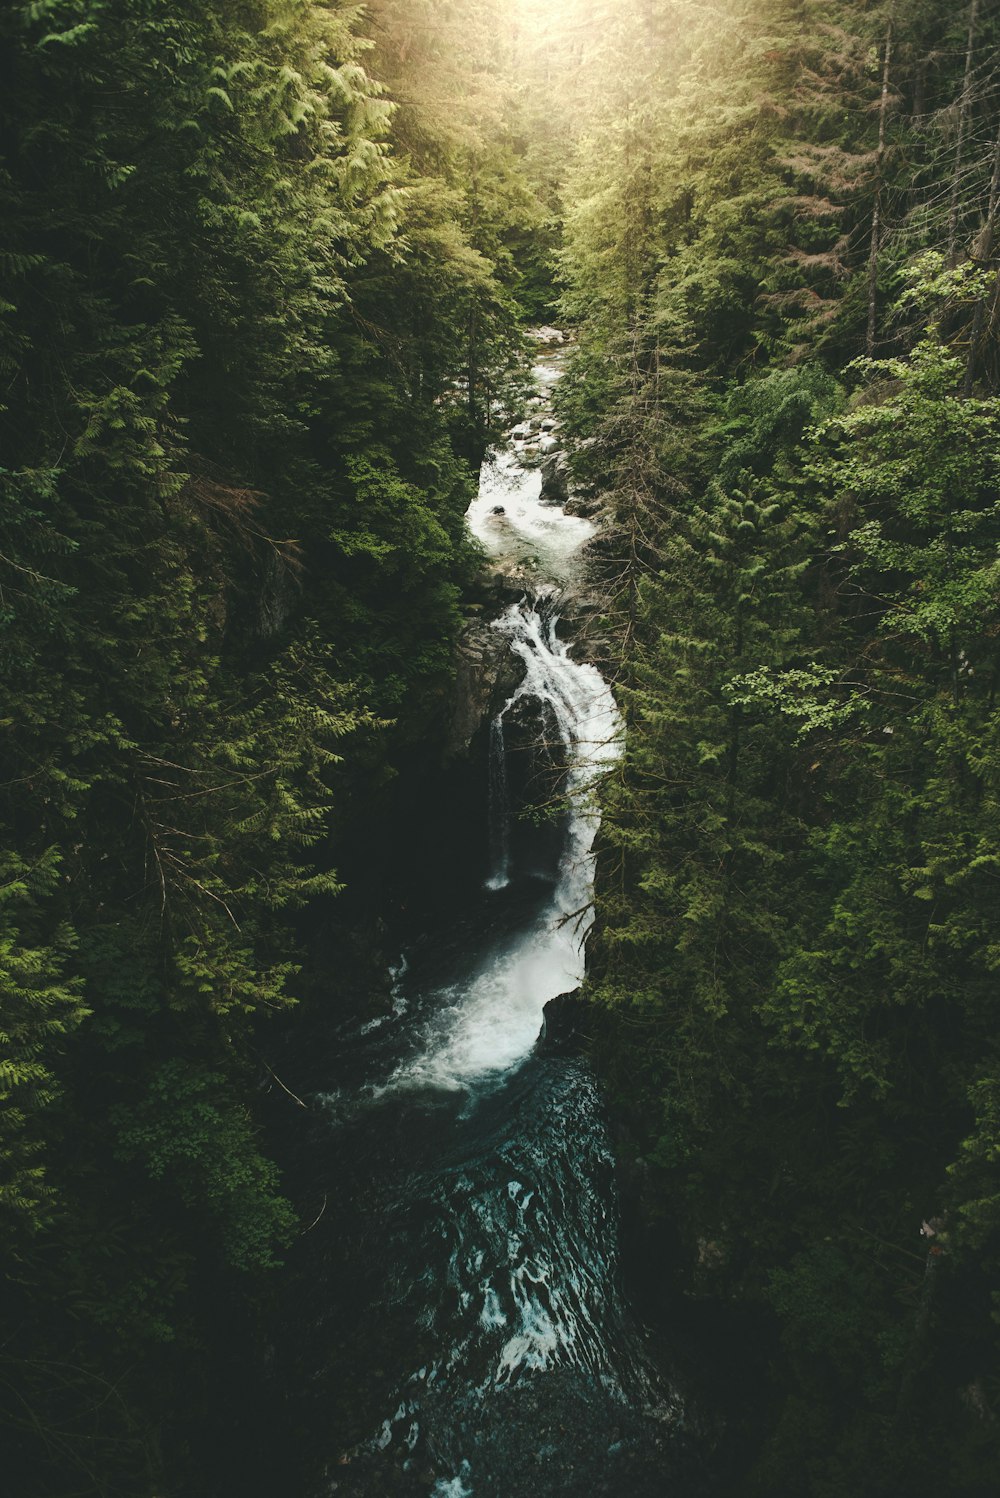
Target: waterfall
479,1028
586,717
494,1323
499,809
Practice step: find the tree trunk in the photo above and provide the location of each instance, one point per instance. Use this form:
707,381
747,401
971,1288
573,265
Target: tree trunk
983,252
877,210
963,121
473,403
920,92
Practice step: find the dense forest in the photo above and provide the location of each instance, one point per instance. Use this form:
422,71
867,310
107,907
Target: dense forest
783,263
253,317
266,271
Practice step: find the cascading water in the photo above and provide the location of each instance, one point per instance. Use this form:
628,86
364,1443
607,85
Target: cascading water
499,809
484,1348
484,1023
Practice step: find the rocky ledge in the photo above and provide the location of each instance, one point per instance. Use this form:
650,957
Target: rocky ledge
566,1025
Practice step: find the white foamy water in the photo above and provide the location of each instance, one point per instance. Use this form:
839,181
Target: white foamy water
539,539
455,1488
503,1243
489,1022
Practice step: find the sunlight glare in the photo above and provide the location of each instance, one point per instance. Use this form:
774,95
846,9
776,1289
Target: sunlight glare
545,14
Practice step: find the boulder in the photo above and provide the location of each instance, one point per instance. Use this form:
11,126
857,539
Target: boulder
487,673
588,506
536,756
555,478
547,335
565,1025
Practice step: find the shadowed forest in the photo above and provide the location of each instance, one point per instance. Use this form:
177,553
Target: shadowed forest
268,274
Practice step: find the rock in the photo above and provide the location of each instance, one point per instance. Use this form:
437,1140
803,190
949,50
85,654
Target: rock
276,599
587,506
565,1025
547,335
498,510
486,674
555,478
536,757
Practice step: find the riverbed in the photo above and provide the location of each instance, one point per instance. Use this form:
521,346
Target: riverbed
468,1323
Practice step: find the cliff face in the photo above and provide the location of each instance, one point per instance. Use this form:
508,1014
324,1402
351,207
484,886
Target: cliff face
487,673
525,482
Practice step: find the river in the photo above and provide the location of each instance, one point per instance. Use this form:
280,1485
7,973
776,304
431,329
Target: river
466,1322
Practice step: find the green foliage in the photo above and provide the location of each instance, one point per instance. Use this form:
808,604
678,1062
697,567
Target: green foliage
251,332
40,1005
921,466
259,311
796,923
974,1175
187,1131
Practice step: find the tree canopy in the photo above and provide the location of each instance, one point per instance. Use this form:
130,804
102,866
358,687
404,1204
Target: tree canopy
265,273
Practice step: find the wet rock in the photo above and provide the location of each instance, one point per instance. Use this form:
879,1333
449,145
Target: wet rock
486,674
276,598
536,755
555,478
565,1025
589,506
547,335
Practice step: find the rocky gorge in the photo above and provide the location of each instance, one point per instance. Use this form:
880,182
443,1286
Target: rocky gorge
470,1333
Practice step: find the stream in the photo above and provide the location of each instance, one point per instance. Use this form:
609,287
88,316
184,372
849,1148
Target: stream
467,1324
